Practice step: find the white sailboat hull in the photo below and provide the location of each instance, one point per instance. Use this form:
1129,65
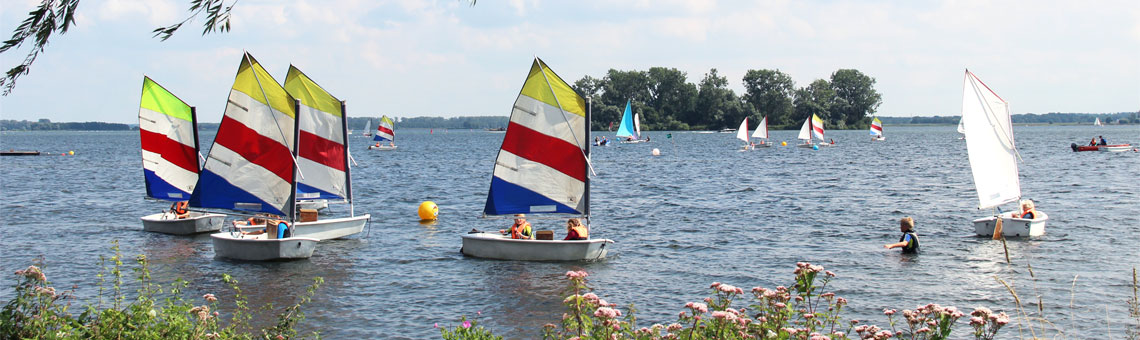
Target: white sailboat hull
502,247
198,222
1012,227
805,145
261,248
382,147
332,228
1115,148
878,138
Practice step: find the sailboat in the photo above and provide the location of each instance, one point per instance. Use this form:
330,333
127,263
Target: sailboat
543,169
762,133
877,130
322,159
813,127
962,127
251,169
168,133
993,160
1097,122
742,134
367,126
630,126
385,132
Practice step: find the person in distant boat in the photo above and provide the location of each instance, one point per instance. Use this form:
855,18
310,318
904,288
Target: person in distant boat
909,241
576,231
1027,210
1103,141
520,230
646,138
596,141
833,141
181,209
377,144
392,144
629,139
1093,142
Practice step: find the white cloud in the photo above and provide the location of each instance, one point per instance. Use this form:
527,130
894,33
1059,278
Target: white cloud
155,12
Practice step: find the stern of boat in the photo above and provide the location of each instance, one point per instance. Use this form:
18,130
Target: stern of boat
333,228
502,247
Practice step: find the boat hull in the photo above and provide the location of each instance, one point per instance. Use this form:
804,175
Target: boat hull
878,138
198,222
805,145
332,228
1108,148
501,247
1012,227
261,248
382,147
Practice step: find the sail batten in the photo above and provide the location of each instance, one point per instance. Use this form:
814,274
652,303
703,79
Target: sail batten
167,134
990,145
541,165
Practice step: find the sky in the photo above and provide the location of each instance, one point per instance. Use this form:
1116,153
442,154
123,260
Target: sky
410,58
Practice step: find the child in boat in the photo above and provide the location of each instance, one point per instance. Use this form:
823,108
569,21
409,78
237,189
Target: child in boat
520,230
909,241
1027,209
575,230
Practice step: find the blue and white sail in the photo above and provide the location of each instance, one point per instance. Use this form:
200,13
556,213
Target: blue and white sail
250,166
628,128
542,166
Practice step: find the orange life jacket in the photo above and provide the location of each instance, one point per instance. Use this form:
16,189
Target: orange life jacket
520,232
1030,212
580,231
180,208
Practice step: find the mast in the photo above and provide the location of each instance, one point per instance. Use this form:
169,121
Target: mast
194,123
347,165
586,196
292,212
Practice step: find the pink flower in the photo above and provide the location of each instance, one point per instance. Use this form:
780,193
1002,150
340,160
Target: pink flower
466,324
889,312
576,274
32,272
673,327
210,298
714,285
590,297
606,312
718,315
981,312
436,325
809,316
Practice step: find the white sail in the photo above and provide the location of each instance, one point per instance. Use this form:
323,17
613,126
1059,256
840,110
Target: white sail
989,142
637,125
805,130
1097,122
761,129
962,125
742,131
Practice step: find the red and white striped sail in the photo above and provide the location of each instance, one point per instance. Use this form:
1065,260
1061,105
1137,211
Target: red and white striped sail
321,153
169,140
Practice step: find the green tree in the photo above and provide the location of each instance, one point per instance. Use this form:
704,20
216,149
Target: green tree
670,96
816,98
717,105
770,93
856,98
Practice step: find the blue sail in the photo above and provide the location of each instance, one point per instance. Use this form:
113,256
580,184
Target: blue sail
625,129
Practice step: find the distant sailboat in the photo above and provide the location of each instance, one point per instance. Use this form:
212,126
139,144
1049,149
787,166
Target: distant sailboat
762,133
251,169
542,168
367,129
877,130
813,127
385,132
1097,122
168,129
742,134
630,127
993,160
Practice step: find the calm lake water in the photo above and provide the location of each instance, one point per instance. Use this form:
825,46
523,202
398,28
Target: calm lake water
700,212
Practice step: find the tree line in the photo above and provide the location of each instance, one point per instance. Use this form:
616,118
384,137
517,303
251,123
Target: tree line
48,125
1028,118
667,101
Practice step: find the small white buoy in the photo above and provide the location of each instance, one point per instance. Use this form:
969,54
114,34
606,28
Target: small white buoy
656,152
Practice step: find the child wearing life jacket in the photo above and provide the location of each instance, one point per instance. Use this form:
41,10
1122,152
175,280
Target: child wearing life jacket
575,230
909,241
1027,210
181,209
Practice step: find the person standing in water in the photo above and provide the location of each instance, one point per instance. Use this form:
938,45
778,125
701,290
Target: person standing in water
909,241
